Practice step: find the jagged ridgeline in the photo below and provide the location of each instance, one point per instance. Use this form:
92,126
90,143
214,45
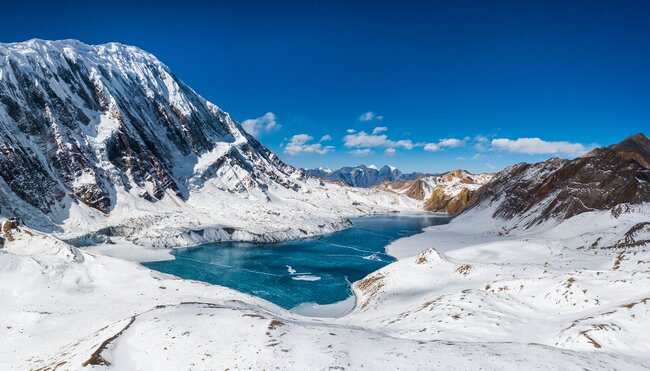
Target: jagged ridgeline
78,121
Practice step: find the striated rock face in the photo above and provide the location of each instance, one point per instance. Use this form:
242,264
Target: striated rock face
77,121
449,192
560,189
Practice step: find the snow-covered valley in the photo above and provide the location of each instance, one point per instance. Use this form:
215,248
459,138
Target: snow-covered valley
541,300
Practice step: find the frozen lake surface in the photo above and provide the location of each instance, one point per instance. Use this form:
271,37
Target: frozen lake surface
316,270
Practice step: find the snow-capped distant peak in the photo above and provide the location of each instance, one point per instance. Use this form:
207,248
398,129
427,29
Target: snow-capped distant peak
362,176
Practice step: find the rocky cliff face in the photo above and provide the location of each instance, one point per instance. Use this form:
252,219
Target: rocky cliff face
77,121
560,189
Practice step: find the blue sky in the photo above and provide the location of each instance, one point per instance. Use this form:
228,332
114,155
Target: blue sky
446,84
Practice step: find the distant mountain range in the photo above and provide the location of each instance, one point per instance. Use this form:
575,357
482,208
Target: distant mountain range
362,176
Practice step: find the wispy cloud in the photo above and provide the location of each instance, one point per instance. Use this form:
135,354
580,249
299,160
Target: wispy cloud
350,131
379,129
301,143
261,125
390,151
537,146
370,116
480,143
325,138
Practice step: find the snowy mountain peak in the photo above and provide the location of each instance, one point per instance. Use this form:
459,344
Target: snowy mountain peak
82,123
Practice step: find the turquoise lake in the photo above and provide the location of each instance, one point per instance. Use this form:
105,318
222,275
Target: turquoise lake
316,270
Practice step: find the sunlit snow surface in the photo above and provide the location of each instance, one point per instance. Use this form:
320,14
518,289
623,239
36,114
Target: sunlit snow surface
317,270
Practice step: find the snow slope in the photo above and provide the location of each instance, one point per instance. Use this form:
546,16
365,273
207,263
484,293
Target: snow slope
582,284
67,309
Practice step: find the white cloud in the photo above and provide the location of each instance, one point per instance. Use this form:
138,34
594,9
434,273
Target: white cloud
261,125
361,152
300,143
325,138
365,140
536,146
369,116
452,142
351,131
445,143
379,129
431,147
390,151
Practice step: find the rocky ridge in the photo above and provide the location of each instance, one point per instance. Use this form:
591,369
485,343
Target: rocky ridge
530,194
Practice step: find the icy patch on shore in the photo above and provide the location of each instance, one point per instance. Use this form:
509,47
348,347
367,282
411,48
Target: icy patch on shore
333,310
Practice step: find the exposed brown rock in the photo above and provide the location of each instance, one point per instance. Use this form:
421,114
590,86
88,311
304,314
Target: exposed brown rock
416,191
457,204
8,226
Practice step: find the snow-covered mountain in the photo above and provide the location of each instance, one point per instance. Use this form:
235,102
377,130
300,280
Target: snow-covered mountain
106,138
449,192
79,121
362,176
